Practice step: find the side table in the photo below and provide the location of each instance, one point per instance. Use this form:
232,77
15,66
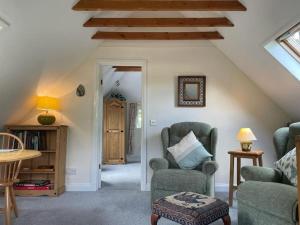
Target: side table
255,155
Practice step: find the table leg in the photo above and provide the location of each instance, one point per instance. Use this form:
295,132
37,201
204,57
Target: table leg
226,220
260,161
7,206
254,162
13,200
238,170
231,180
154,219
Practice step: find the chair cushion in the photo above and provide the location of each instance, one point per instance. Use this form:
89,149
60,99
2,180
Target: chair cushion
177,131
178,180
189,152
190,208
288,165
275,199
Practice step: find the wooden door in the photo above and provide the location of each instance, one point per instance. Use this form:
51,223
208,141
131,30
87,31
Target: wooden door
114,132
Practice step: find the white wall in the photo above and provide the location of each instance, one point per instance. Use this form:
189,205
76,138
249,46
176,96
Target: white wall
233,101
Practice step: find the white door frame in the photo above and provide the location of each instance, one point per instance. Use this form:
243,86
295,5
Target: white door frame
98,119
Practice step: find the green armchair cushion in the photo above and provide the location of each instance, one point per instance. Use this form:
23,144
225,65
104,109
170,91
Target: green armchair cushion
177,180
263,174
275,199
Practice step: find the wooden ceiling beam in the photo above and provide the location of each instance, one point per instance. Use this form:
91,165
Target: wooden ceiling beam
159,5
127,68
158,35
159,22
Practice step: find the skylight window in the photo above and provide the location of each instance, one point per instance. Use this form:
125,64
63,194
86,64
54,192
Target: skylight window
290,41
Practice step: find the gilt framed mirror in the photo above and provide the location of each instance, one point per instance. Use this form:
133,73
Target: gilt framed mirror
191,91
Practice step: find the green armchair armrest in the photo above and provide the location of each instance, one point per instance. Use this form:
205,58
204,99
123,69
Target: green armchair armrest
210,167
275,199
263,174
158,164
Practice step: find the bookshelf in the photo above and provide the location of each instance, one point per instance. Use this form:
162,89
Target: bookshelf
51,141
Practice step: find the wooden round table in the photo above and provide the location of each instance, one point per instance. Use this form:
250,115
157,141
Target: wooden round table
10,163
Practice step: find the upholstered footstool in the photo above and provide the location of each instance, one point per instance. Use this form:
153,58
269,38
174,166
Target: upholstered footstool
188,208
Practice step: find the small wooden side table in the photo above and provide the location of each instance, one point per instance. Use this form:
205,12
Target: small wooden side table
255,155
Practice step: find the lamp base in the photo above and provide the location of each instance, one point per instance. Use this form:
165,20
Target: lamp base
46,119
246,146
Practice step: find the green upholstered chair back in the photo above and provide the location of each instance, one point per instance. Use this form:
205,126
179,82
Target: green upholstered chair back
284,139
204,133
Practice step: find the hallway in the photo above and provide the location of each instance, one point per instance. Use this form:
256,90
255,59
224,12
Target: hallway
121,177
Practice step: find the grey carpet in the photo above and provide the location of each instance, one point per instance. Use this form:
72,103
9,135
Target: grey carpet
118,203
121,177
105,207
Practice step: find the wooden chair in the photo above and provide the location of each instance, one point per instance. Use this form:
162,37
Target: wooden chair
9,172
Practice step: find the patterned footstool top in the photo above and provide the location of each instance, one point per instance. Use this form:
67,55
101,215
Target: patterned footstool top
190,208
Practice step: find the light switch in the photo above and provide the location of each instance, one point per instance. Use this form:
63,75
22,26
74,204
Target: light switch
153,123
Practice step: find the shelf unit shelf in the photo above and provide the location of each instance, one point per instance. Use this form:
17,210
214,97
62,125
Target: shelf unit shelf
51,141
37,172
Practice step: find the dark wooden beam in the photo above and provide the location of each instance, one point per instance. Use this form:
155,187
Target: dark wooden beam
158,35
127,68
159,22
159,5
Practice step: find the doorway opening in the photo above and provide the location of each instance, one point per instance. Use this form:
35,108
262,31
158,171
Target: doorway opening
122,147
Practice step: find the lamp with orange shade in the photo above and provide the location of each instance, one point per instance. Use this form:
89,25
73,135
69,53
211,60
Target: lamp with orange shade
46,103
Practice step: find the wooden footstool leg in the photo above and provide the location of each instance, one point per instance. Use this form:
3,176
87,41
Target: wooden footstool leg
226,220
154,219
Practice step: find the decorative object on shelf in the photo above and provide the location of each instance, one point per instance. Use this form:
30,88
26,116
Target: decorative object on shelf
246,137
118,96
192,91
47,103
80,91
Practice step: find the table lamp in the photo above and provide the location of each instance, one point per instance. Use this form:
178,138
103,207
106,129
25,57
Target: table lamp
46,103
246,136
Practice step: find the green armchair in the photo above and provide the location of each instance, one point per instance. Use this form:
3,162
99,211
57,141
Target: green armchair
168,178
267,197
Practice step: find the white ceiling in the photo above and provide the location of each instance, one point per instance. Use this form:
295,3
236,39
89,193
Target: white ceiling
46,40
130,83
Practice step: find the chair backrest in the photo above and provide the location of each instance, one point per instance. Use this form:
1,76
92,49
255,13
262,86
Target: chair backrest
284,139
10,142
10,170
172,135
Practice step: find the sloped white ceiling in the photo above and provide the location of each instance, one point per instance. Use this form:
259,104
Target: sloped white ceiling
46,40
130,83
244,45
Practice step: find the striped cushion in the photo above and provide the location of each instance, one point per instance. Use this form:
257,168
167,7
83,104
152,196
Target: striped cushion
189,152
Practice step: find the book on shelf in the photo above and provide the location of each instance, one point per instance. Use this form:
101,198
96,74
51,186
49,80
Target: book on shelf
32,139
36,188
32,183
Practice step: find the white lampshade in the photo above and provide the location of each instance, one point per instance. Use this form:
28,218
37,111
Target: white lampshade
245,135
